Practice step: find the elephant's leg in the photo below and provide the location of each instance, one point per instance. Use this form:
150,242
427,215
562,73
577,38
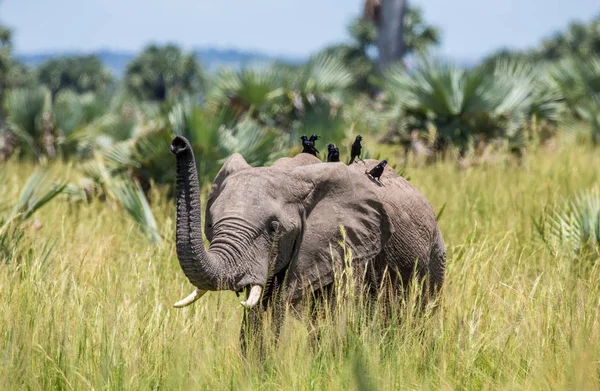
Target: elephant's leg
277,306
251,334
321,305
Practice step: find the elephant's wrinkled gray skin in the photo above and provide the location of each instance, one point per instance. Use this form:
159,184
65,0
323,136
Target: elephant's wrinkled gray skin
302,203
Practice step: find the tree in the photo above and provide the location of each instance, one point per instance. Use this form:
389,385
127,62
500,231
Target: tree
81,74
161,72
5,62
12,75
283,98
400,29
577,81
457,107
418,37
578,39
388,16
390,32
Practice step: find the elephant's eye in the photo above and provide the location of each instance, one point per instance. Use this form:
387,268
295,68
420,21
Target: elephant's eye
274,226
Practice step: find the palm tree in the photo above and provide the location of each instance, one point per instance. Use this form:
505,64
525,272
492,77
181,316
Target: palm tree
81,120
388,16
462,105
418,37
577,80
577,39
12,75
215,135
279,98
74,124
28,118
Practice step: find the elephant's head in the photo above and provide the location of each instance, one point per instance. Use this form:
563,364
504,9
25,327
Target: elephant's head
269,220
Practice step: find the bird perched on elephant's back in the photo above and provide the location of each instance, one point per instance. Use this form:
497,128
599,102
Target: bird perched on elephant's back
356,149
308,144
377,171
280,226
333,153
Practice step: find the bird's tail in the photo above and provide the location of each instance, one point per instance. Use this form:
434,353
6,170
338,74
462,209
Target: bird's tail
351,160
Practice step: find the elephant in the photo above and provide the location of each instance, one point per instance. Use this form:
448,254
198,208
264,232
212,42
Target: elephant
276,230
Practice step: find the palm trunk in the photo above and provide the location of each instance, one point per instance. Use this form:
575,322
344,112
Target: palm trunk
390,41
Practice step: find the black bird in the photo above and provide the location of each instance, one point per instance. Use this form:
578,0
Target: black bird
333,153
314,139
377,171
356,149
308,145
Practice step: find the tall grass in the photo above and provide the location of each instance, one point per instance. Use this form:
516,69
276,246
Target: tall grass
89,305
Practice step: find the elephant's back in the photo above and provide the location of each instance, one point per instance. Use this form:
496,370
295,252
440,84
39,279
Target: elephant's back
396,192
416,233
302,159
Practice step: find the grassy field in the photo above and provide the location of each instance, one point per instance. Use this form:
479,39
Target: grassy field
89,306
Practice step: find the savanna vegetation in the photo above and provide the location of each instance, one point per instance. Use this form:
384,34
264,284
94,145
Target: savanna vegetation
506,151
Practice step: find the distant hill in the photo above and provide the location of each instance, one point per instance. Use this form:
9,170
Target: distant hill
210,58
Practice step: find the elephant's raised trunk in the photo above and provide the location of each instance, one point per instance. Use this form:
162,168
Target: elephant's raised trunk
204,269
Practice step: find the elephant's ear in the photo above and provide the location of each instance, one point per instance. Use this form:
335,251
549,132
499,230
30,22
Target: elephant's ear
233,164
335,196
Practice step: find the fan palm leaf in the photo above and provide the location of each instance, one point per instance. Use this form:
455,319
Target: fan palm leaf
257,144
247,90
577,80
68,112
38,191
203,129
131,197
573,225
125,191
494,102
323,74
25,109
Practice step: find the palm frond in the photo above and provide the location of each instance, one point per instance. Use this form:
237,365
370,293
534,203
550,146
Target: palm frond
131,196
575,78
96,171
68,112
514,85
121,157
493,101
245,90
25,108
331,127
153,158
258,145
573,225
324,74
37,192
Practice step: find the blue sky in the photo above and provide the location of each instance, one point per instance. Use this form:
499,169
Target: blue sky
470,28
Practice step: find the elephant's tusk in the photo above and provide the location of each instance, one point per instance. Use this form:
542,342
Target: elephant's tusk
195,295
254,296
